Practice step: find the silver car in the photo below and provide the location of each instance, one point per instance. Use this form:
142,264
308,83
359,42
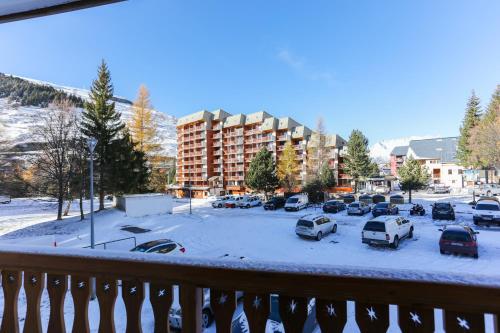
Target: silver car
358,208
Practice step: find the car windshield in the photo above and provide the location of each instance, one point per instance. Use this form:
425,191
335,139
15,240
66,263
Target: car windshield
374,226
456,236
333,203
487,207
304,223
382,205
354,205
442,205
293,200
146,246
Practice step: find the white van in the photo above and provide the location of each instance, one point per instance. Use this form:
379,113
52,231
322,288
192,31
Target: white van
297,202
387,230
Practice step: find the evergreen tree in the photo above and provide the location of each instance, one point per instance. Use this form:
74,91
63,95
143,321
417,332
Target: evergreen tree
326,176
315,190
493,107
357,160
101,121
288,167
143,126
412,176
471,120
261,175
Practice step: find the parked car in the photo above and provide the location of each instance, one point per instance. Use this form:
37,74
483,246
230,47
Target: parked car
378,198
315,226
348,198
275,203
358,208
417,209
366,198
489,189
381,189
297,202
487,212
221,201
443,211
458,239
4,199
397,199
438,189
233,202
333,206
248,202
162,246
385,208
387,230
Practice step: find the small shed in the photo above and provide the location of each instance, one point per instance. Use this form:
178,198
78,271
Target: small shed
139,205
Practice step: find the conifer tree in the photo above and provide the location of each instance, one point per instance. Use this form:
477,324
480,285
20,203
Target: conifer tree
471,119
261,175
326,176
288,167
357,160
493,107
412,176
143,126
101,121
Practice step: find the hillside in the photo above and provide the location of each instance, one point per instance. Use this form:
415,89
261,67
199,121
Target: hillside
22,99
381,150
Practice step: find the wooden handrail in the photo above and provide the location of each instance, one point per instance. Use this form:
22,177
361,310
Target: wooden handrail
408,289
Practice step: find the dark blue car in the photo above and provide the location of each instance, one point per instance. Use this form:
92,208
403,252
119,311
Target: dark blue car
385,208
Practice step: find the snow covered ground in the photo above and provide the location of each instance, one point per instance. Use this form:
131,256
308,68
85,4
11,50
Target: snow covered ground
255,235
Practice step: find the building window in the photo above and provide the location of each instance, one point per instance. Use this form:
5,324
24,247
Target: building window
460,171
450,171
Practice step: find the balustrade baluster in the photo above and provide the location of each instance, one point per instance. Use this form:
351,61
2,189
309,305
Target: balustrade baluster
463,322
257,308
372,317
160,296
223,303
80,291
11,284
106,291
57,286
33,286
416,319
293,313
191,299
331,315
133,297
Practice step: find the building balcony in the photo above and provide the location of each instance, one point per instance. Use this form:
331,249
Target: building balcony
127,275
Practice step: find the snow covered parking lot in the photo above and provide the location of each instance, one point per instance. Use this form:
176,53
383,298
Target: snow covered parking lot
257,235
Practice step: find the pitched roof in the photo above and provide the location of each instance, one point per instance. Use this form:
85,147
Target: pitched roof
444,149
399,151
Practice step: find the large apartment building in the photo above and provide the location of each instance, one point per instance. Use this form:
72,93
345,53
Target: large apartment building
215,149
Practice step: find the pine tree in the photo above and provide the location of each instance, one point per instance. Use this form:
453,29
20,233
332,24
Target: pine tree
101,121
143,126
412,176
493,107
288,167
326,176
357,160
261,175
471,119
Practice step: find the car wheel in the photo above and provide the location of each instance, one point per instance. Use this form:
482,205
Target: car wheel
410,234
220,206
248,206
206,318
441,251
395,243
476,256
334,230
422,213
319,236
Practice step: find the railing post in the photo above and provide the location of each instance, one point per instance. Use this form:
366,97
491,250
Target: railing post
80,291
33,286
372,317
11,283
57,286
223,303
331,315
133,297
458,322
293,313
416,319
106,290
191,299
257,309
160,296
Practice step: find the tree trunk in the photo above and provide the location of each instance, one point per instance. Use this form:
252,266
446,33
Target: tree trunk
66,211
82,215
101,186
60,201
409,195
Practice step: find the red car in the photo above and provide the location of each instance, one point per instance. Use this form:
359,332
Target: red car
458,239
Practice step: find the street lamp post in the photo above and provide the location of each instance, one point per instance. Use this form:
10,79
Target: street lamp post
92,142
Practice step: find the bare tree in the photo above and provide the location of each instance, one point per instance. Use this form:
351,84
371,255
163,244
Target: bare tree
56,132
317,151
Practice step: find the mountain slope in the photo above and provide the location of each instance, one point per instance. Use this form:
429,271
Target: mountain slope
16,118
381,150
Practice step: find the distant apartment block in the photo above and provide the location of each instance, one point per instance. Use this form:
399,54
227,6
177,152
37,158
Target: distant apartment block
437,155
215,149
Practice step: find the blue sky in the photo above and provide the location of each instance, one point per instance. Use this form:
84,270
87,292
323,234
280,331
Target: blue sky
389,68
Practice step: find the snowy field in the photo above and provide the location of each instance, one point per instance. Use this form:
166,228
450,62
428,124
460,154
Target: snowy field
255,235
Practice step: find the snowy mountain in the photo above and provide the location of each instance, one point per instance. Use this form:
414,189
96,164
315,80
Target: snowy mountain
16,119
381,151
